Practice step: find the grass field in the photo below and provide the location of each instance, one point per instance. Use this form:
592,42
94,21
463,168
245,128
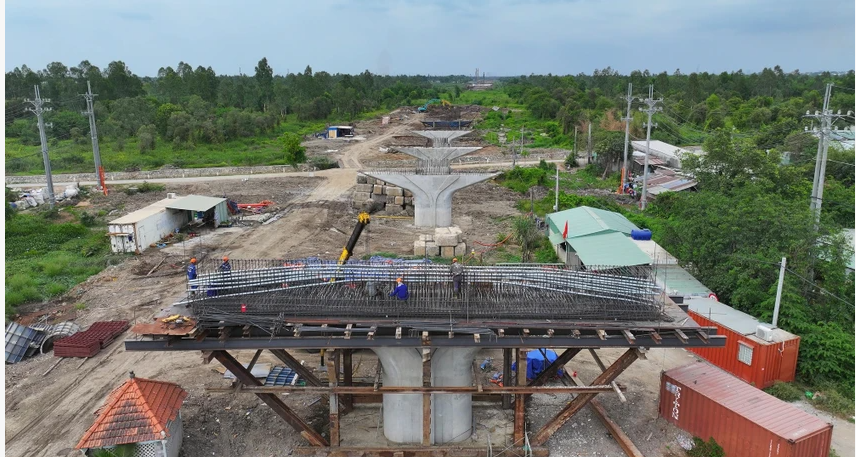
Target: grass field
69,157
47,254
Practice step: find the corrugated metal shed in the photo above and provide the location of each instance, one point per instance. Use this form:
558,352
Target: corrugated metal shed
144,213
195,203
583,221
745,421
608,249
669,275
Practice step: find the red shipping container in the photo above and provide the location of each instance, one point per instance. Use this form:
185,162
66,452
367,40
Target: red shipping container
752,359
710,403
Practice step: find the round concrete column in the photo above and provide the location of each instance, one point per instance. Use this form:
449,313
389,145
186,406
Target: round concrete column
452,413
402,413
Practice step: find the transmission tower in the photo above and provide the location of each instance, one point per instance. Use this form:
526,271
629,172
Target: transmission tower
825,118
96,152
39,109
650,110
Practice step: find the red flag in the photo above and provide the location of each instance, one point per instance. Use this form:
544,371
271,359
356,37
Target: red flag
565,233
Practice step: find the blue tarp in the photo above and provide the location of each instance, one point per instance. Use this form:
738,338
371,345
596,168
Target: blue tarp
536,362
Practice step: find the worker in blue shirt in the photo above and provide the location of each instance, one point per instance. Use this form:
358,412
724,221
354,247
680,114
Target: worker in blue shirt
400,290
191,272
226,267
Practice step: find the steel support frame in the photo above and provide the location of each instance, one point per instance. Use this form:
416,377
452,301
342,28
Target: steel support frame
695,339
581,400
244,376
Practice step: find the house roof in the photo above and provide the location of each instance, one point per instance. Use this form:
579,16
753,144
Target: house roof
143,213
584,221
137,411
610,249
731,318
195,203
660,148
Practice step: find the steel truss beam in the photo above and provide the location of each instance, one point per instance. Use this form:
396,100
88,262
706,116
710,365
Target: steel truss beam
184,344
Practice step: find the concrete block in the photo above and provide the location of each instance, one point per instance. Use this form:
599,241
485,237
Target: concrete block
390,200
461,249
419,248
394,209
431,249
378,189
441,231
407,193
377,198
370,206
408,200
446,240
455,230
360,197
399,200
367,188
380,183
396,191
362,179
447,251
426,237
370,180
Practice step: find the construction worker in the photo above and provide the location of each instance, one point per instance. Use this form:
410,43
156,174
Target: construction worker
400,290
191,273
457,273
225,267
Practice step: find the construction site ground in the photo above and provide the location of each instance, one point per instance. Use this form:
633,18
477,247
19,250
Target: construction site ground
47,414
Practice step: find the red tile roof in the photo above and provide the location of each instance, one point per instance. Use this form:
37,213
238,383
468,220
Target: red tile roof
137,411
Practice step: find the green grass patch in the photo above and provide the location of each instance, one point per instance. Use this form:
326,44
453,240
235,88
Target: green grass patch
45,259
786,391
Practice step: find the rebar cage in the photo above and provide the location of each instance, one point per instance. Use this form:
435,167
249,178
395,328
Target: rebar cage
266,289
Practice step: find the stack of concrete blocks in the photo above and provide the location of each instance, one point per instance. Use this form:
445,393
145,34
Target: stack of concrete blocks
445,242
375,195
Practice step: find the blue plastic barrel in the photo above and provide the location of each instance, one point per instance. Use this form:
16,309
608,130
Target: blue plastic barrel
641,235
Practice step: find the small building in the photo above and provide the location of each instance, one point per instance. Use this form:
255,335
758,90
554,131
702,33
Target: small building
755,352
142,414
709,403
666,152
339,131
136,231
595,238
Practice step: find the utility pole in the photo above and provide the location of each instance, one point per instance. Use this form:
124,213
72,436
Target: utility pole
825,118
96,152
779,292
650,110
627,119
575,144
588,145
39,109
556,206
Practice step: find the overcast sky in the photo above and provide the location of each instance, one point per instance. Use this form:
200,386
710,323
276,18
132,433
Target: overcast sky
510,37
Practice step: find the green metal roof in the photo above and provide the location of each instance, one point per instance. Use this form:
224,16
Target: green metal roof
608,249
584,221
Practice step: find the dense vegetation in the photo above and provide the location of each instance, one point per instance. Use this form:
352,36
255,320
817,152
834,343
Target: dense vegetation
49,252
186,117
